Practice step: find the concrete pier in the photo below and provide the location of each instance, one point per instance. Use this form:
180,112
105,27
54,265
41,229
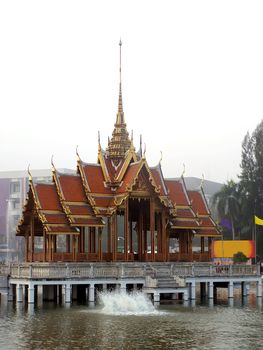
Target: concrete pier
230,289
66,282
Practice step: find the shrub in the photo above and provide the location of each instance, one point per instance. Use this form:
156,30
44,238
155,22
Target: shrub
239,257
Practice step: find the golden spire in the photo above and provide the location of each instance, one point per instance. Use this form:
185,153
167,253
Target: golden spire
120,142
120,114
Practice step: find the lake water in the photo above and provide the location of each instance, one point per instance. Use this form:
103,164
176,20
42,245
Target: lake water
171,326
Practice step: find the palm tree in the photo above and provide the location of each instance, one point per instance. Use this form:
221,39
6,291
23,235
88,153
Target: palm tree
227,203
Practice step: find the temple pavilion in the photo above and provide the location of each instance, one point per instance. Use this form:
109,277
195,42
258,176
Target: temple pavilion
119,209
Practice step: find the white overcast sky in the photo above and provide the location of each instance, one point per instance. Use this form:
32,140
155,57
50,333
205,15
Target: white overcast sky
192,81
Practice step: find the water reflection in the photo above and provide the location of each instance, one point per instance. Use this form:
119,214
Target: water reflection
196,326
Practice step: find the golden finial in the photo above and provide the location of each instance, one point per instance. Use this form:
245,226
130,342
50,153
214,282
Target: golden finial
29,173
99,146
77,152
161,157
202,181
52,163
120,44
183,170
141,145
144,150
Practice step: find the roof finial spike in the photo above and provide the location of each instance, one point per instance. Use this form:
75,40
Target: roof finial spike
202,181
77,152
29,173
141,145
99,146
120,43
183,170
52,163
120,108
144,151
161,157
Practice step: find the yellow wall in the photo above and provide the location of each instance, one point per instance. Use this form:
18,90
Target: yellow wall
226,249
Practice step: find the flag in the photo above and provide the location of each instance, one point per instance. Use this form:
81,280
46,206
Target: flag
258,221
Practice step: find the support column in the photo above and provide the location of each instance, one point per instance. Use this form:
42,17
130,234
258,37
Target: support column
152,227
126,230
109,236
230,289
40,294
10,296
259,288
164,240
156,297
203,289
19,293
192,291
159,234
31,294
244,289
186,296
114,236
32,232
140,236
91,293
100,243
74,247
27,245
210,290
44,246
130,237
202,245
123,287
67,293
68,244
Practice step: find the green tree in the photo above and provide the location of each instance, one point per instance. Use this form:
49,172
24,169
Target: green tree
251,177
227,204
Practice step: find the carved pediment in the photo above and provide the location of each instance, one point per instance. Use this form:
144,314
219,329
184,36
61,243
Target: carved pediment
142,185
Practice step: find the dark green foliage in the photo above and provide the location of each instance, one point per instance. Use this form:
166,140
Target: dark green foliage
228,206
239,202
239,257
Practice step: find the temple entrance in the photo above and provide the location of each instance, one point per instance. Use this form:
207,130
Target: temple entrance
140,231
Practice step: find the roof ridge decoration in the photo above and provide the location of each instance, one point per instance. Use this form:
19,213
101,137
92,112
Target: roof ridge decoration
120,141
60,193
86,186
35,197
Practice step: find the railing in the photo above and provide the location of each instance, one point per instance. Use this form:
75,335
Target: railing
125,270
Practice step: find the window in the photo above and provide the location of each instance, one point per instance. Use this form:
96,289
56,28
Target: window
16,204
15,187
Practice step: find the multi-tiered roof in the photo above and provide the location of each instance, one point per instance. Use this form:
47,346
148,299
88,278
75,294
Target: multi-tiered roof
97,190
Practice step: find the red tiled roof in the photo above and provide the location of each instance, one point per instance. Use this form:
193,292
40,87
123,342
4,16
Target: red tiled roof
129,176
212,231
198,203
159,180
184,224
176,192
61,230
184,213
47,196
72,188
80,209
113,170
95,179
56,218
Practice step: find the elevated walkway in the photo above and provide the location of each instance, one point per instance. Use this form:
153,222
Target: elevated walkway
153,278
